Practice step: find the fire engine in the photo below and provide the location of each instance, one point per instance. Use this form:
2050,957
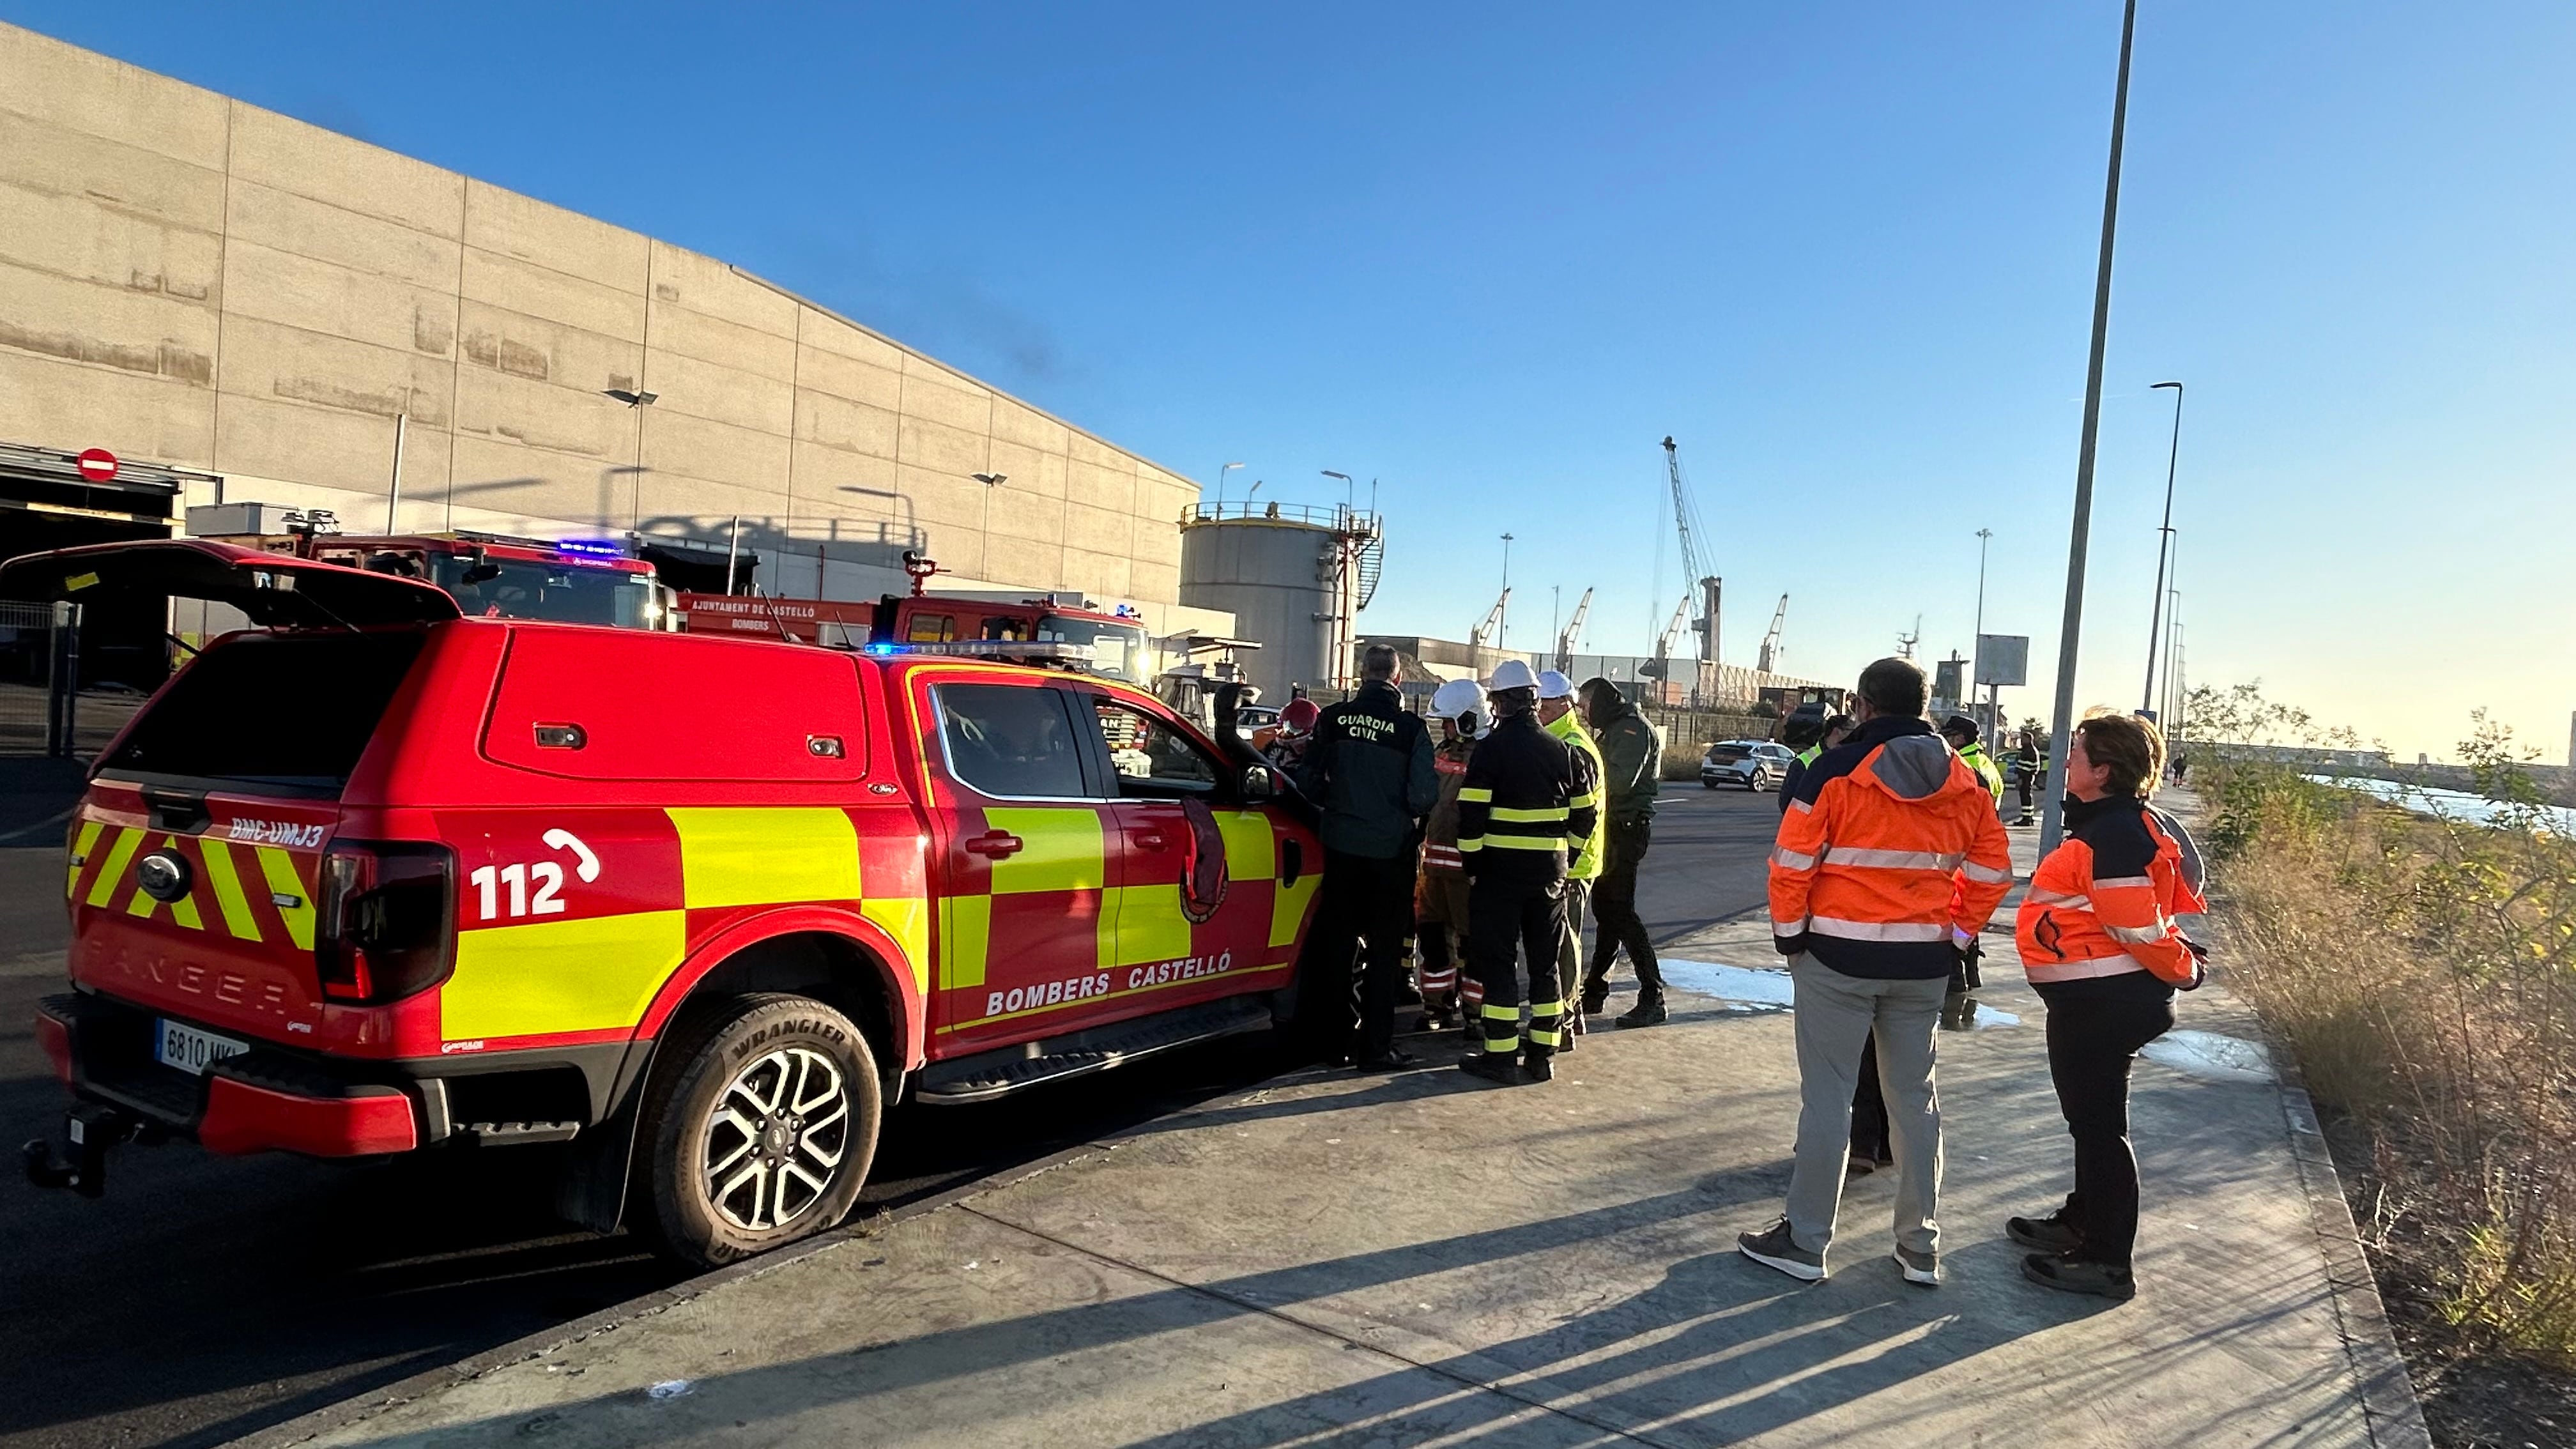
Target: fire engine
490,575
385,875
1112,644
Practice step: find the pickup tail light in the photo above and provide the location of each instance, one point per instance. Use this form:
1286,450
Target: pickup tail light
385,924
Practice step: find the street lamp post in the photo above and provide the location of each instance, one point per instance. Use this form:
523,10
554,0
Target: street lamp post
1220,486
1977,645
2164,542
2052,821
1503,634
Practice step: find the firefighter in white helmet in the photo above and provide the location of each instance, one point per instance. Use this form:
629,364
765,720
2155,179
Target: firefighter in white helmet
1440,903
1526,798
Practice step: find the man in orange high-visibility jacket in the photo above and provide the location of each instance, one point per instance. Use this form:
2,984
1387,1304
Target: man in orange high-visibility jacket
1888,862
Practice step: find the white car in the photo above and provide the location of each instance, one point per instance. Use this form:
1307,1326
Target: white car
1753,764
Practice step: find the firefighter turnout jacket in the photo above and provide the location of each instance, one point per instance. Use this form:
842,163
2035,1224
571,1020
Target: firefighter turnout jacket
1586,862
2103,903
1524,797
1888,853
1440,831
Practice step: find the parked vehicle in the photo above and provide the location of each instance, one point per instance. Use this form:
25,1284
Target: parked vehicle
1753,764
380,878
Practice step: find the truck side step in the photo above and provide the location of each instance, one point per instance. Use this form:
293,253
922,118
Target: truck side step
991,1074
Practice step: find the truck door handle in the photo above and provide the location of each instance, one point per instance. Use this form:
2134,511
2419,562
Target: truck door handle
1149,840
995,844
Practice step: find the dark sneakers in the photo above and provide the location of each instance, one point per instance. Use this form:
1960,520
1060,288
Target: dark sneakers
1645,1013
2074,1275
2051,1234
1595,998
1389,1060
1774,1248
1500,1068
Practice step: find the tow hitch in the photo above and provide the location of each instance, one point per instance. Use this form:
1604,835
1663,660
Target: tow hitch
89,1129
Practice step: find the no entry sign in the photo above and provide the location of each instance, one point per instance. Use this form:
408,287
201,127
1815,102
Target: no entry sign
97,464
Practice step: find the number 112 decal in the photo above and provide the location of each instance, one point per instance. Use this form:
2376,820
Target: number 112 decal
547,875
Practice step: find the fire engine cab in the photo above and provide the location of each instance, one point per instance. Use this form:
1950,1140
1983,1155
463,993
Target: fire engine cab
379,875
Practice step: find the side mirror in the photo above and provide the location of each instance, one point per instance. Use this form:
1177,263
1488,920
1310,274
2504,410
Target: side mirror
1259,784
481,570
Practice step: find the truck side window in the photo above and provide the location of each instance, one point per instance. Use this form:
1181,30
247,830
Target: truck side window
931,629
1010,740
1153,760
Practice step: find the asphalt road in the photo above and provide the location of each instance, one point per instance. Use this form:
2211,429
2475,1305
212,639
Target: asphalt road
207,1297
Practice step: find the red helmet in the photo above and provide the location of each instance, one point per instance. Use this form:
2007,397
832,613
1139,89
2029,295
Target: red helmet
1301,716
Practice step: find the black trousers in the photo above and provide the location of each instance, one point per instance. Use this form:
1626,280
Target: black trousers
2023,785
1355,968
1614,907
1511,911
1869,1137
2094,1031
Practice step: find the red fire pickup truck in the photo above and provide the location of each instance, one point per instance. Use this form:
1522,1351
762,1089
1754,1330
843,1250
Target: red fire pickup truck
376,876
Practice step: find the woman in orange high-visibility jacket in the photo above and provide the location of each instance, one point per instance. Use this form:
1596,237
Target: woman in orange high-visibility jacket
2097,936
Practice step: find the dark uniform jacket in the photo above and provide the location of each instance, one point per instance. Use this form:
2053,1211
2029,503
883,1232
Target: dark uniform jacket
1526,799
1369,769
1631,765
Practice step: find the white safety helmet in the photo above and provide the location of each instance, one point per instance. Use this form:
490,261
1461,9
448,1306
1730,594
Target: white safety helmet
1552,684
1457,697
1512,674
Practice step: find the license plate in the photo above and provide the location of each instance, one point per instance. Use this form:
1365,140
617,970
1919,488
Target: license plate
190,1050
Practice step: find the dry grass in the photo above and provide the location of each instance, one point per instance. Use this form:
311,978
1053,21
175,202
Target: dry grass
2425,973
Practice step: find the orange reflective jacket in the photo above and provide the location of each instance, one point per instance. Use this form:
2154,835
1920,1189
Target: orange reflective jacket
1888,846
2103,903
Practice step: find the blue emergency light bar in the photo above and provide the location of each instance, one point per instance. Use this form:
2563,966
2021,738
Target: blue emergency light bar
591,547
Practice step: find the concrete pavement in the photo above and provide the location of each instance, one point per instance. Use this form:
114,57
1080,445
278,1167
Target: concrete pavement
1359,1260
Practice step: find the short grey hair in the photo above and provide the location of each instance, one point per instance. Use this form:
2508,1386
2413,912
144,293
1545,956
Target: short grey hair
1377,662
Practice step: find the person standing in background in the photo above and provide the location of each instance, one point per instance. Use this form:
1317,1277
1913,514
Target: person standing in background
1632,762
1557,713
1888,860
2099,941
1440,910
1527,800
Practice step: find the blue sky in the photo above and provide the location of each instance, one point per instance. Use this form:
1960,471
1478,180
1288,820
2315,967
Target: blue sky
1490,255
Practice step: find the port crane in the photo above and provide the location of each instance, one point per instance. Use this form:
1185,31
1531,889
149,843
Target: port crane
1769,657
1661,666
1573,634
1492,629
1696,581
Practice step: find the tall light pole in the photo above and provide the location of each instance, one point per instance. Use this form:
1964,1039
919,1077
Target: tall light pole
1977,645
2164,543
1503,634
1220,485
2052,822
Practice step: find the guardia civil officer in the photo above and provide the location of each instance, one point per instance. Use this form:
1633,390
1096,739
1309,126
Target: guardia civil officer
1525,798
1369,768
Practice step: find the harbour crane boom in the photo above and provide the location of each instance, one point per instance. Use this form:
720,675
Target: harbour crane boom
1770,655
1490,630
1573,635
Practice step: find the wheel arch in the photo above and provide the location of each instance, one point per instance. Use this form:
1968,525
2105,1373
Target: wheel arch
839,957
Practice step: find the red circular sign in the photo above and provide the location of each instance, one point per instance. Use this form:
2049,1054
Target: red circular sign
97,464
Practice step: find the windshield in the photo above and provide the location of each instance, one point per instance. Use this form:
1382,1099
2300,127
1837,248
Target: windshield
1117,649
564,593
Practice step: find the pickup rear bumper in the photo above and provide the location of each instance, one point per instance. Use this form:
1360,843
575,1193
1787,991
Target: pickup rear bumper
266,1099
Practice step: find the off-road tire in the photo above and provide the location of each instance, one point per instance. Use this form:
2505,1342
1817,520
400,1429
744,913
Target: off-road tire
682,1108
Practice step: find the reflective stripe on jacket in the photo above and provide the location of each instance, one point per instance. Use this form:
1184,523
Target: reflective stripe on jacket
1587,861
1888,846
1440,829
2103,902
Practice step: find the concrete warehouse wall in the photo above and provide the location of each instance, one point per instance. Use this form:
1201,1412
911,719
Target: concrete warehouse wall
191,280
